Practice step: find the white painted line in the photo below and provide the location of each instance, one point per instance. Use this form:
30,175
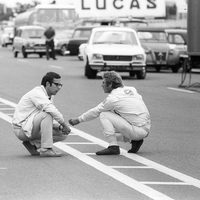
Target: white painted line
181,90
55,67
8,102
130,182
90,154
7,108
175,174
22,60
5,117
130,167
163,183
2,168
79,143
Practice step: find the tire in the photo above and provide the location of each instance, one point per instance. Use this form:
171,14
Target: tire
15,54
63,49
175,68
24,52
132,74
158,68
40,55
141,74
90,73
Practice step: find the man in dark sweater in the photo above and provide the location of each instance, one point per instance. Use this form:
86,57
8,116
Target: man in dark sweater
50,34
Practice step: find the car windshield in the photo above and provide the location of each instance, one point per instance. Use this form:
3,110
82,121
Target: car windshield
82,34
115,37
148,36
33,33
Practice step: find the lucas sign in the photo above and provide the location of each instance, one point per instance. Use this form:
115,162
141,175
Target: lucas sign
120,8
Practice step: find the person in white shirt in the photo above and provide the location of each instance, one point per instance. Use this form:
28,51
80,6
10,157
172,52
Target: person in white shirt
123,115
37,122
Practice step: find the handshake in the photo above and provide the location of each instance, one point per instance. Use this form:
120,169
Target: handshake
74,121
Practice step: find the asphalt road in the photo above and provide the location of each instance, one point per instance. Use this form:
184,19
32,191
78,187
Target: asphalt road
166,167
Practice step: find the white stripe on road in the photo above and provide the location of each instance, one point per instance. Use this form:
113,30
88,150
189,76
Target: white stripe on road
181,90
130,182
55,66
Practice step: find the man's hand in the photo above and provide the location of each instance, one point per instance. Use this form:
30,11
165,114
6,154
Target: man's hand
66,130
74,121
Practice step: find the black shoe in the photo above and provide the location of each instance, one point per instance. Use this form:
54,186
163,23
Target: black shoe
54,58
135,146
111,150
31,148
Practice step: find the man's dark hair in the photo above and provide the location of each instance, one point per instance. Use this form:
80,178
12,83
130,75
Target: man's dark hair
113,78
49,77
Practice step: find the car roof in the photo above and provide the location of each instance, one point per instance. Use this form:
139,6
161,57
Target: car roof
113,28
176,30
84,27
31,27
151,29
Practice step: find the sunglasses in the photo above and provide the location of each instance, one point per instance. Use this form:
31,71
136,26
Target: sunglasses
58,84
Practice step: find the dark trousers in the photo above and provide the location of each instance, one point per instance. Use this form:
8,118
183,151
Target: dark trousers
50,47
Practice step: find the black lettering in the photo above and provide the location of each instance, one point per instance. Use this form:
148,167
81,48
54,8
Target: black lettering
151,4
103,6
83,6
115,4
135,4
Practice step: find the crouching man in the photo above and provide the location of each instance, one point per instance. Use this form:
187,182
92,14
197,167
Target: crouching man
37,122
123,115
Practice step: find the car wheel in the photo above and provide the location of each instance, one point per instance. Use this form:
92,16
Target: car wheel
40,55
15,54
63,49
24,52
175,68
90,73
141,74
158,68
132,74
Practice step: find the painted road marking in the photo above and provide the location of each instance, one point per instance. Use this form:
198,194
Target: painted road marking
55,66
130,182
181,90
139,186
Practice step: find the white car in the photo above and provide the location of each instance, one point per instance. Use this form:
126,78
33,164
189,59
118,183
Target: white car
7,36
114,48
29,40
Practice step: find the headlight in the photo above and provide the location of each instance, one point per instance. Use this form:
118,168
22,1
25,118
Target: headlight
138,57
97,57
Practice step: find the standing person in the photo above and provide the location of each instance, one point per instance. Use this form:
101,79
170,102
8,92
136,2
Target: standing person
49,35
123,115
37,122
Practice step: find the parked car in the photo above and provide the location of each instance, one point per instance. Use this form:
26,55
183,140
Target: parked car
177,38
7,36
114,48
29,40
160,53
80,35
61,41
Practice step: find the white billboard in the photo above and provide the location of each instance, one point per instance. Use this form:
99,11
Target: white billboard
118,8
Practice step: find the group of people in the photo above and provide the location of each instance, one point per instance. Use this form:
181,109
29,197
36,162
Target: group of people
123,116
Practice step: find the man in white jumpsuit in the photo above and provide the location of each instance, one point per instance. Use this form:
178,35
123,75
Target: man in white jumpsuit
123,115
37,122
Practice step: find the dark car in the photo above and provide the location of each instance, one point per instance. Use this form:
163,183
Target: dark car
80,35
160,52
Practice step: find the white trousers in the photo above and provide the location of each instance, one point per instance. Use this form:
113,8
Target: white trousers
43,134
116,128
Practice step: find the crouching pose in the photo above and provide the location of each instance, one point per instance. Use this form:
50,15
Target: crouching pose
123,115
37,122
